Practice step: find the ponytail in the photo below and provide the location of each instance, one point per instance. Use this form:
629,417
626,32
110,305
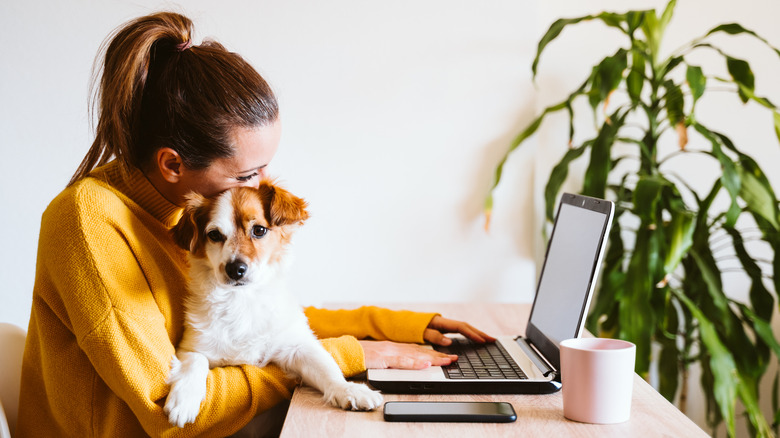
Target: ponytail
157,90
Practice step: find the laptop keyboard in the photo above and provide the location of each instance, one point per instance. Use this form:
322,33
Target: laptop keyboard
480,361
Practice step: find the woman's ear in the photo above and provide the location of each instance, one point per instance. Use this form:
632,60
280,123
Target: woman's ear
169,164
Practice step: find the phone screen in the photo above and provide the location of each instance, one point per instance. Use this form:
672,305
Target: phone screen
449,411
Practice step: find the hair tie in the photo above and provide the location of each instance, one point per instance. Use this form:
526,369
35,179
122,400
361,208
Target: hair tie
184,46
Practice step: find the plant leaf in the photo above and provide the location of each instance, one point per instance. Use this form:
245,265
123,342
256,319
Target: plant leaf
595,182
669,359
711,276
750,360
636,77
763,101
670,65
730,178
748,394
609,18
557,178
776,117
680,233
612,280
606,77
742,74
637,322
735,29
758,195
647,193
666,16
760,298
755,187
651,28
674,102
721,364
527,132
696,81
762,328
634,19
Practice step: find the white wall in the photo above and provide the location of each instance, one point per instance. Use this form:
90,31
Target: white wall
394,114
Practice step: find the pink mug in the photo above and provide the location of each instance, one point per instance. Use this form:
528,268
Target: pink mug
597,375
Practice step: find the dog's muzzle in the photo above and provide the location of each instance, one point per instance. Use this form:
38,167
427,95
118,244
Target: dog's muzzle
236,270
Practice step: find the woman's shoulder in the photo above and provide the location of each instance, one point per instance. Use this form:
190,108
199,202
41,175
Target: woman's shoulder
115,195
87,198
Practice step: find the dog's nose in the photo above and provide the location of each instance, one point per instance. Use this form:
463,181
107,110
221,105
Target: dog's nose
236,269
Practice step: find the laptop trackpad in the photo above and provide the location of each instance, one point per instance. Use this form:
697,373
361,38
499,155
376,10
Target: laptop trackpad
428,374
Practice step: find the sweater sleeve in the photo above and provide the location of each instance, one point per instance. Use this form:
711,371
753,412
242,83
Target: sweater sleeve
122,354
348,354
370,322
112,310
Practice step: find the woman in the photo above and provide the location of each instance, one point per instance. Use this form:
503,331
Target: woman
107,305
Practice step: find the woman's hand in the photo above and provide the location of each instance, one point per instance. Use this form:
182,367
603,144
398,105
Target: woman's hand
386,354
440,325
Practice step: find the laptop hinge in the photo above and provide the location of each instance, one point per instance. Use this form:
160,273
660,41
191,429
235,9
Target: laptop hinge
536,357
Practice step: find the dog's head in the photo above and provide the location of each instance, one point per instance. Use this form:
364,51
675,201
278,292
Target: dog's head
241,233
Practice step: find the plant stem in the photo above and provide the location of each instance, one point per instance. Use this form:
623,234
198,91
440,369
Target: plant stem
652,134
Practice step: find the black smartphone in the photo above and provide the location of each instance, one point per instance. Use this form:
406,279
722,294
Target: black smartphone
441,411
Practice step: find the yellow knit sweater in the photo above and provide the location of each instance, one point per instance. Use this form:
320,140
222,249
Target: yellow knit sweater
107,314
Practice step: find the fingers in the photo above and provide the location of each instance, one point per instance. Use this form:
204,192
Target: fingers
419,362
475,335
406,363
403,356
436,337
415,357
445,325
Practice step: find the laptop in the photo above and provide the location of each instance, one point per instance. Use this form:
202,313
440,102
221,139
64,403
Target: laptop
527,364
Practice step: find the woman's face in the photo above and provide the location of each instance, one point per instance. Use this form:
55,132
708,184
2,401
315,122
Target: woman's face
254,149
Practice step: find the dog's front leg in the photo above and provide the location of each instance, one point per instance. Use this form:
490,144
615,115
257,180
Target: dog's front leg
318,369
189,372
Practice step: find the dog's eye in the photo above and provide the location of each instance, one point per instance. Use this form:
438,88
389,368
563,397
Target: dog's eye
215,236
259,231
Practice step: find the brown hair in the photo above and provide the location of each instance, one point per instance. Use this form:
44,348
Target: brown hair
157,90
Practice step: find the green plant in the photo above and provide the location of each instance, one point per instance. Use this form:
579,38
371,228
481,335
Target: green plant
661,283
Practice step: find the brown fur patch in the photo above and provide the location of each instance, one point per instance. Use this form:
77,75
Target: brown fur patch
281,206
187,232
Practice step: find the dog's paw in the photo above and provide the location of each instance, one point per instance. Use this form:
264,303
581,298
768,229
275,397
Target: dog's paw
187,392
354,396
181,409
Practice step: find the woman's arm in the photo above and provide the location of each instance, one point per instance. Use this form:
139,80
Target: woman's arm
99,281
404,327
125,352
370,322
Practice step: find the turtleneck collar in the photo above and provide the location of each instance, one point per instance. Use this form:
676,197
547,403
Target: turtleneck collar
136,186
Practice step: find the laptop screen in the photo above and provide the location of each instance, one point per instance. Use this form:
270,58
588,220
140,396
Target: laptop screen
569,272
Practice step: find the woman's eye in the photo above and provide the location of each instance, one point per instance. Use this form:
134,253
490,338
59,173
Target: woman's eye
246,178
215,236
259,231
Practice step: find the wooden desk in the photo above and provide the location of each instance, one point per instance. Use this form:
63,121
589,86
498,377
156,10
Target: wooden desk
537,415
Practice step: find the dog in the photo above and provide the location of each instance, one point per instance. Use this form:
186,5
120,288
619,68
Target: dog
238,310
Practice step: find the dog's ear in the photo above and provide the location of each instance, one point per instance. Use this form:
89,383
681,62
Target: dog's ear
185,232
282,207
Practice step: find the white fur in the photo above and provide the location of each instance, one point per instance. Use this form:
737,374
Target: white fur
255,323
